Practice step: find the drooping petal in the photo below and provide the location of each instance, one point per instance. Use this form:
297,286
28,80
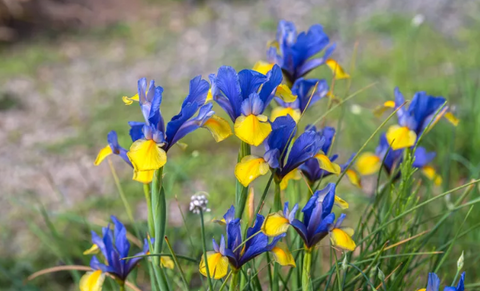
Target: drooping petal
93,250
92,281
217,265
282,254
342,240
293,175
431,174
251,129
144,177
422,157
341,203
263,67
327,165
337,70
368,163
378,111
275,224
146,155
284,111
285,93
250,168
167,262
218,127
129,100
102,154
452,118
400,137
354,178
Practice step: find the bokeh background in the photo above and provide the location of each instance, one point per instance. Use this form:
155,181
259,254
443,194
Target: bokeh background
65,64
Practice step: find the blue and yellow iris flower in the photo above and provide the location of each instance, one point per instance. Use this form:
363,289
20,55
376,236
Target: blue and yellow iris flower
318,221
152,138
434,284
370,163
412,121
245,96
293,53
307,92
312,170
113,246
280,157
236,252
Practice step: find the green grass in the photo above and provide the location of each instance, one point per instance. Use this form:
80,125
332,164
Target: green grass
391,53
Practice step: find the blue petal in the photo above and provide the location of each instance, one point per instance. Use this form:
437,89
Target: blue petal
142,88
250,81
286,33
229,215
189,126
310,43
301,229
328,133
304,89
422,157
461,286
322,230
96,265
234,236
99,242
155,117
401,113
272,157
423,107
308,208
329,200
121,242
283,131
433,282
309,65
136,130
304,148
178,120
198,92
268,89
227,83
252,105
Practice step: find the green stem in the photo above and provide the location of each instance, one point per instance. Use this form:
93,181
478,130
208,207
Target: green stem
234,280
204,241
307,263
241,192
277,200
148,199
122,287
159,215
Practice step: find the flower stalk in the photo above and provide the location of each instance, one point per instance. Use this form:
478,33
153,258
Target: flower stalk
241,192
307,263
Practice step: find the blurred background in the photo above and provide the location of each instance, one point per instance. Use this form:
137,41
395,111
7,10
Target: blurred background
65,64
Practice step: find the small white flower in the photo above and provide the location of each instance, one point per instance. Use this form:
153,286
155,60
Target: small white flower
460,262
356,109
199,201
418,20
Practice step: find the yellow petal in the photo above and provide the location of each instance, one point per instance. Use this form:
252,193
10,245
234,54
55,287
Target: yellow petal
284,111
348,230
282,254
431,174
217,265
341,203
328,165
209,95
354,178
333,97
368,163
218,127
251,129
92,250
401,137
423,289
92,281
285,93
337,70
220,221
263,67
250,168
275,224
167,262
342,240
144,177
382,108
129,100
452,118
105,152
146,155
292,175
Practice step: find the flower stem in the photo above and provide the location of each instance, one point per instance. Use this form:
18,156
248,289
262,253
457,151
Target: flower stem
307,263
277,200
204,241
234,280
148,199
241,192
159,215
